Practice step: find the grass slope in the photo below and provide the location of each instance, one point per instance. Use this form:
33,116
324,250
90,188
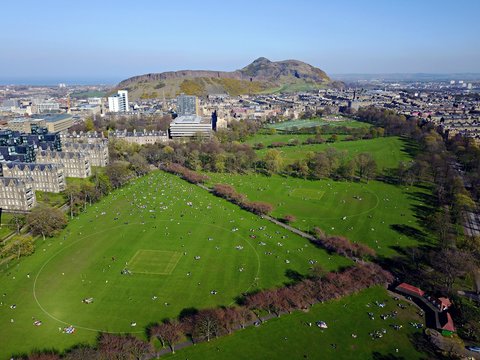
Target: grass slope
377,214
387,151
152,213
289,337
306,123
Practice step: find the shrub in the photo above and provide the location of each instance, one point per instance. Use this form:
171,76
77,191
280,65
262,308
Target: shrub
186,174
288,219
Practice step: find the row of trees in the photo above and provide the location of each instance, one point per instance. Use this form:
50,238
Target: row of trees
342,246
438,266
229,193
186,174
204,325
331,163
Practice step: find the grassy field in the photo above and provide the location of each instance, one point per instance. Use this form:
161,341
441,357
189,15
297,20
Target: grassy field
387,151
178,241
50,199
4,228
305,123
377,214
289,337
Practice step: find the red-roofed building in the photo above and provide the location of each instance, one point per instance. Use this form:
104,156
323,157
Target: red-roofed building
409,289
437,307
445,303
448,328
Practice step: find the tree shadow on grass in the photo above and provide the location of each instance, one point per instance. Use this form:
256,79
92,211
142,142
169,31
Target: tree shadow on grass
187,312
410,232
377,356
410,147
293,276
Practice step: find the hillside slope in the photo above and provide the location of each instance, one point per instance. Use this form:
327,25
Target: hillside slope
261,76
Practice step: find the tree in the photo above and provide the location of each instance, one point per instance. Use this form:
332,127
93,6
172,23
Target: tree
88,193
119,173
46,221
101,182
138,164
273,161
366,166
173,333
288,219
89,125
16,222
74,195
450,264
48,355
82,352
18,246
169,333
206,324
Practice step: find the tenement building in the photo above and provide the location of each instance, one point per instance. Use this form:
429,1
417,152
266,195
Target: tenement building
97,154
140,137
76,164
46,177
17,194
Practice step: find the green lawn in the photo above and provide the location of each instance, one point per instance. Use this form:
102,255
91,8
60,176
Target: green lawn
289,337
4,229
267,139
377,214
50,199
202,242
299,124
387,151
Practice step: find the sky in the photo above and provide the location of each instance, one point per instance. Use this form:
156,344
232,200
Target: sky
107,41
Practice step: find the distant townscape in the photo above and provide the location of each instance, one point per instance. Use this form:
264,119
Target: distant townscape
273,204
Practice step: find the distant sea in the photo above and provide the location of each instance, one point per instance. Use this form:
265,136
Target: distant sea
37,81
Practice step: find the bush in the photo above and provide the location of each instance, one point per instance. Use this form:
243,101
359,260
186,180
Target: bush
288,219
342,246
229,193
258,207
186,174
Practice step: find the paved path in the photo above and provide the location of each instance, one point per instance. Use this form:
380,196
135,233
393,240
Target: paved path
275,221
290,228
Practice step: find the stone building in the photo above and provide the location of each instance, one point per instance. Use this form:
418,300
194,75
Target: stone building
17,194
46,177
140,137
97,153
76,164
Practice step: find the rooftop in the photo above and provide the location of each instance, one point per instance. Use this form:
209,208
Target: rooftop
191,119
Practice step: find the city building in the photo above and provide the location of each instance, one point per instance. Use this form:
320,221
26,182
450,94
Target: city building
25,124
140,137
45,177
118,102
57,122
187,105
190,125
17,194
75,164
42,106
22,153
97,154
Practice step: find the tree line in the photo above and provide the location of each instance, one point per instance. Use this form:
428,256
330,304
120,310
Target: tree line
452,260
204,325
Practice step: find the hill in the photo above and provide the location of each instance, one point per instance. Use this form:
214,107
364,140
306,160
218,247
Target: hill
261,76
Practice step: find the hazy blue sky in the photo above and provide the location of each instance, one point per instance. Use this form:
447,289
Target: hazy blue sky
112,40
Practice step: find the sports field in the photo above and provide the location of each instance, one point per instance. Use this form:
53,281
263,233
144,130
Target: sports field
299,124
387,151
144,253
347,335
377,214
